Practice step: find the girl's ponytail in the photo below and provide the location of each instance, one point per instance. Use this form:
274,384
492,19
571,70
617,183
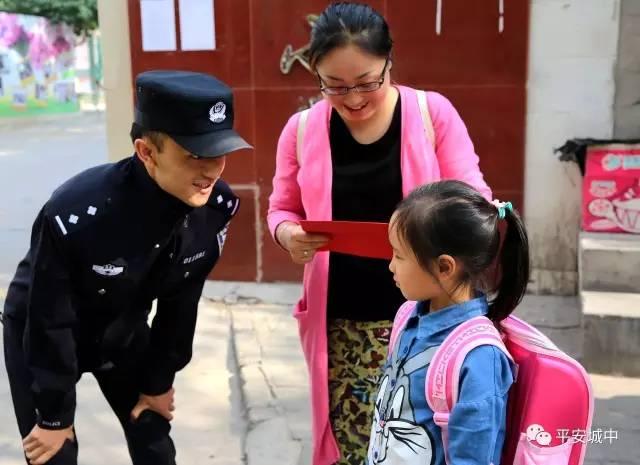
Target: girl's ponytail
513,259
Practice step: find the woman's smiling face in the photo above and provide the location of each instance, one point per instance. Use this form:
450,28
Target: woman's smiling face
350,66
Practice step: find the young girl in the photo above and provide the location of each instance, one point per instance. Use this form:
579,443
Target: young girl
446,239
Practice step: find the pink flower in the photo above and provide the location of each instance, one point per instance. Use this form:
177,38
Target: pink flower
60,37
10,30
39,50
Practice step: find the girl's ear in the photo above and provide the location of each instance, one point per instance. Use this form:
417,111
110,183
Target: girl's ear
447,267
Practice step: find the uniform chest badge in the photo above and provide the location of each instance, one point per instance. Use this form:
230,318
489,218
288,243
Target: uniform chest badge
108,270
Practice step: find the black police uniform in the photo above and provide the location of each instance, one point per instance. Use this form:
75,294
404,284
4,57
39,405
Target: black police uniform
107,243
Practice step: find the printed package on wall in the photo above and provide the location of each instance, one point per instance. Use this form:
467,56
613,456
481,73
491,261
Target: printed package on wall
611,189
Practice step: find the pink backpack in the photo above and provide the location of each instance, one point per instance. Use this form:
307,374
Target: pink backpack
550,405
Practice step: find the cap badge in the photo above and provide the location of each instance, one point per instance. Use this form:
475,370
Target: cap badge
217,113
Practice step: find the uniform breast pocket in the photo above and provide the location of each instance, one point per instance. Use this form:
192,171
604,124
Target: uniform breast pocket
196,263
106,283
175,279
186,273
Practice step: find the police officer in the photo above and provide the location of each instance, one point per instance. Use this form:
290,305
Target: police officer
107,243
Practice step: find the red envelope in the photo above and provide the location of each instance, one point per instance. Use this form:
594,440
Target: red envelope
359,238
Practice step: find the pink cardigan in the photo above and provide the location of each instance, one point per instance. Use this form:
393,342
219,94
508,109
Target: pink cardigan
304,192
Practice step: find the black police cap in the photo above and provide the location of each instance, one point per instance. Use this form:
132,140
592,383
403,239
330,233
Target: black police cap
194,109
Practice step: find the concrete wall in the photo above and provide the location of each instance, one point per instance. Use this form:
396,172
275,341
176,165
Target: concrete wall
627,104
572,55
114,28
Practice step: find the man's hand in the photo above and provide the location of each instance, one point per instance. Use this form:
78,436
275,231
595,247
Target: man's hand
162,404
42,444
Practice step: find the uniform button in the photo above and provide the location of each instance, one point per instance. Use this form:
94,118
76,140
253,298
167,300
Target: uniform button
405,350
186,275
102,292
393,383
157,246
171,255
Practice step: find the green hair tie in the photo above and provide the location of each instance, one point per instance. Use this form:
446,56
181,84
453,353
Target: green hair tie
502,208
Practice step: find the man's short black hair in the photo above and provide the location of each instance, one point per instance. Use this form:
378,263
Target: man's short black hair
138,132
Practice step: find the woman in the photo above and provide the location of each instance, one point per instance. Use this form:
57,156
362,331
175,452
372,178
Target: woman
364,148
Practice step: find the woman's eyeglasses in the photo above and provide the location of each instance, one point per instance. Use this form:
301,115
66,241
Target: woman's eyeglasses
364,87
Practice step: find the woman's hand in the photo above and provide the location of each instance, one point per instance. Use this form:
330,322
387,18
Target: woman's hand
301,245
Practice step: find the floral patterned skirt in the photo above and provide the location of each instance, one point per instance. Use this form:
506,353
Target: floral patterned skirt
357,353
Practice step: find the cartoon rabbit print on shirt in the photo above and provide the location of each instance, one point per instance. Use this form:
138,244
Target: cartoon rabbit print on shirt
396,438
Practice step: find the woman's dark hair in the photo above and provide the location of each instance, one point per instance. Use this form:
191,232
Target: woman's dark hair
344,23
452,218
138,132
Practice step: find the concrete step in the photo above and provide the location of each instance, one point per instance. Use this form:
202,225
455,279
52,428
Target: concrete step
611,332
599,329
558,317
609,262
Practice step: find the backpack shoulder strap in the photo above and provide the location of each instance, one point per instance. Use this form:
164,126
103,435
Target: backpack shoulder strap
426,117
527,335
399,322
443,374
302,124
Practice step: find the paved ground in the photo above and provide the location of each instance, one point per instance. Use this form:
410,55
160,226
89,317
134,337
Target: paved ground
271,361
209,426
244,398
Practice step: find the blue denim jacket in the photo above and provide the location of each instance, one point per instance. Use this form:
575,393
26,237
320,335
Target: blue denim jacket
403,430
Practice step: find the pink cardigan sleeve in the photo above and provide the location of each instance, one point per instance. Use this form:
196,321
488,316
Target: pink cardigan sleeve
285,202
456,156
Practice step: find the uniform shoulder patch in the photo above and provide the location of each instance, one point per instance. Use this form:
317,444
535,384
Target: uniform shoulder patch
80,201
223,199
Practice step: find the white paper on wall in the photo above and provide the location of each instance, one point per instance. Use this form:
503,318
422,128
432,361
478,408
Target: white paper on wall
158,19
197,25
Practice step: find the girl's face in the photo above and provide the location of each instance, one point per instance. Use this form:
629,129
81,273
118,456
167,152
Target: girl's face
350,66
414,282
441,286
